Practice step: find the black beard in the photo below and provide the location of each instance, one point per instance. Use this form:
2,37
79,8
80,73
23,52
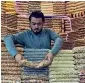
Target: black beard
37,32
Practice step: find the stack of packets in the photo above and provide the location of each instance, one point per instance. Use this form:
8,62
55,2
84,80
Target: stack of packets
11,21
47,8
8,21
67,27
8,17
82,31
10,69
70,8
22,7
79,42
48,22
63,35
53,23
67,45
59,8
2,7
4,31
57,24
75,8
78,23
75,35
2,13
30,71
9,7
79,54
62,69
34,5
22,22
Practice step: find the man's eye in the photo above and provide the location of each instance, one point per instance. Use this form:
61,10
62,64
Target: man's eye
39,23
33,23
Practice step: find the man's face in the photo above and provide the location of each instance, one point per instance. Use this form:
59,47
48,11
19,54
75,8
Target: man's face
36,24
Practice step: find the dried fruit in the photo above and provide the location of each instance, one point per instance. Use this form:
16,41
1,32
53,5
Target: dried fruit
28,63
43,63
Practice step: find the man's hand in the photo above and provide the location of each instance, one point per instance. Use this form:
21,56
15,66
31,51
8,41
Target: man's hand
18,58
47,61
49,57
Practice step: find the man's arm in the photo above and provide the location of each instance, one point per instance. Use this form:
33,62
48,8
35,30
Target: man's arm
57,46
58,41
10,41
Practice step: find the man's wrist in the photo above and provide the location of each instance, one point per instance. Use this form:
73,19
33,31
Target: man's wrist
50,51
16,55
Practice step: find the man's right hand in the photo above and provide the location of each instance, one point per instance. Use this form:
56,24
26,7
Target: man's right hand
18,58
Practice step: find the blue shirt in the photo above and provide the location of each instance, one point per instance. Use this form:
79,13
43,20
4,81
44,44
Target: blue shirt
30,40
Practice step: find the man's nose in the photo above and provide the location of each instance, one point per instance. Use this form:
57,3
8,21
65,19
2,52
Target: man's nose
36,26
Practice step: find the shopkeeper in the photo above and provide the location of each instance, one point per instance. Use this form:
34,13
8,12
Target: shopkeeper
35,38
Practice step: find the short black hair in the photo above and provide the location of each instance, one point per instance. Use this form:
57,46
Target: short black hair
37,14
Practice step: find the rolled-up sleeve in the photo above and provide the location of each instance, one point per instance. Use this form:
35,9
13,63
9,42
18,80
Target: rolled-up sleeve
58,41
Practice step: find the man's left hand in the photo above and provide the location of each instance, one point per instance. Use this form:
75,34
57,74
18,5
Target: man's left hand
49,57
47,61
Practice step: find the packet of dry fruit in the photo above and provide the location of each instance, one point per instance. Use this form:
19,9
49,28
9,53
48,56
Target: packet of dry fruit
27,63
34,64
43,63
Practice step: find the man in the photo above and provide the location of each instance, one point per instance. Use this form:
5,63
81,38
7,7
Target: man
36,38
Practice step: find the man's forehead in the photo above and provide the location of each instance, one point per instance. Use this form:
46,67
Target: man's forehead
36,20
